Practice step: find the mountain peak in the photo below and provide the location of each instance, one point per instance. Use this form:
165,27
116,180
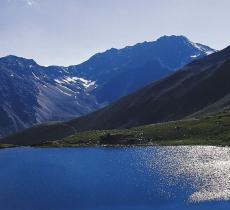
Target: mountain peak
173,37
184,40
13,59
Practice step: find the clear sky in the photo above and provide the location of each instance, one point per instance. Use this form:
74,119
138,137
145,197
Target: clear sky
65,32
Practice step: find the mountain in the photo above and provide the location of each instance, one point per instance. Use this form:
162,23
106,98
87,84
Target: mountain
31,94
193,88
120,72
200,88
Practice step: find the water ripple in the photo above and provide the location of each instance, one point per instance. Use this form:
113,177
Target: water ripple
206,169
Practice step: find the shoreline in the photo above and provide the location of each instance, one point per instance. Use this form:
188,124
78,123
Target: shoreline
110,146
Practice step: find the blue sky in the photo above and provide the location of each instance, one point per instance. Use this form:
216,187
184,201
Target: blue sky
65,32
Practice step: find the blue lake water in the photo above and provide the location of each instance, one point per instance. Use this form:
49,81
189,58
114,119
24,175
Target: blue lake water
138,178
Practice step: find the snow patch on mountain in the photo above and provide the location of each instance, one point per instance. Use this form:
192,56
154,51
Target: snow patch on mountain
194,56
205,49
70,80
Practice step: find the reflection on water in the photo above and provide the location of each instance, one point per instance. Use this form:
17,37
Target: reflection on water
136,178
205,168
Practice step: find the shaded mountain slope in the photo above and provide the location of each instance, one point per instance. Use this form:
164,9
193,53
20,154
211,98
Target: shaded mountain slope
175,97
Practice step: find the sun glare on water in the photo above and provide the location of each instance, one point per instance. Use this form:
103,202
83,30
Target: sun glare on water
204,168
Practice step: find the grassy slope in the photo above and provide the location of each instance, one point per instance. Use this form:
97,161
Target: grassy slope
212,130
3,146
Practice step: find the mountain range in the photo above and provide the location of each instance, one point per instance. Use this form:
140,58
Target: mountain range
31,94
201,88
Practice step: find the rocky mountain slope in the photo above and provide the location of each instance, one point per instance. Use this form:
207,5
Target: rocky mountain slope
31,94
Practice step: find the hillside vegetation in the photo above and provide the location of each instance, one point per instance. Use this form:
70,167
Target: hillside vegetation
210,130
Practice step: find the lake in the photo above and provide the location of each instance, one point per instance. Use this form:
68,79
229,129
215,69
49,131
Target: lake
128,178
